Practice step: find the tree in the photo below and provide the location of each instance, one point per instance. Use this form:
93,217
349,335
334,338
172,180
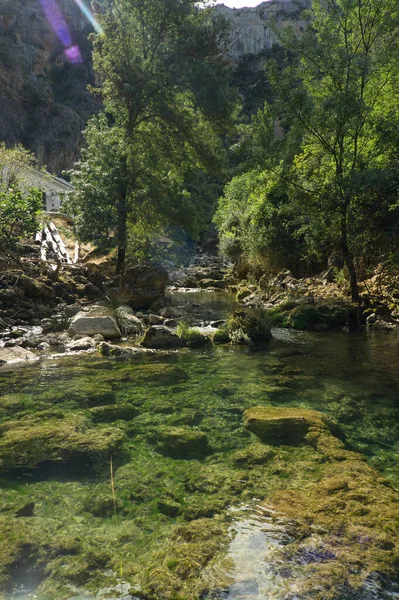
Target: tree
20,201
340,93
167,96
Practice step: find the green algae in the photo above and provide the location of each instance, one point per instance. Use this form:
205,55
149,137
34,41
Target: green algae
165,506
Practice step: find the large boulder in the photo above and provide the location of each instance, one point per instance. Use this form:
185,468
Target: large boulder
160,337
142,285
88,324
15,354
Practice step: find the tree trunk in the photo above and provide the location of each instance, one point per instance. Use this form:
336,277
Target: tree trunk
121,234
350,263
120,263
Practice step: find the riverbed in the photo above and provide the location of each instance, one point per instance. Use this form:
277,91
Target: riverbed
97,533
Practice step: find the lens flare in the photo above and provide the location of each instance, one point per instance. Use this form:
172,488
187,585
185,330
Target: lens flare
89,16
55,18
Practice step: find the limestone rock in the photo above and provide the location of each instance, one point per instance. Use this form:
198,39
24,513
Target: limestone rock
160,337
85,343
127,351
15,354
142,285
284,426
89,324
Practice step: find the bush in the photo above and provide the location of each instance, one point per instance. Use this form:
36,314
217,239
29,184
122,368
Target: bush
19,213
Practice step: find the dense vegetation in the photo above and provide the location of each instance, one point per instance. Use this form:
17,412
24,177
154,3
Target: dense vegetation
318,177
20,201
167,103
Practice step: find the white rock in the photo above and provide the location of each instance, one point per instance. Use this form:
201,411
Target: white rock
86,343
16,354
89,325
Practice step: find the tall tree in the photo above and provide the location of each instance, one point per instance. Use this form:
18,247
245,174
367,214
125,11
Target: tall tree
340,93
166,87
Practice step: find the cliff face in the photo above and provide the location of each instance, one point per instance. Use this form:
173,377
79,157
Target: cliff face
44,102
251,27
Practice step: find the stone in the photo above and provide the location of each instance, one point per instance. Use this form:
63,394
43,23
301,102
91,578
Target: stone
34,288
160,337
371,319
167,312
85,343
16,354
156,319
27,510
43,346
127,351
181,442
129,323
113,412
89,324
285,426
97,337
9,297
142,285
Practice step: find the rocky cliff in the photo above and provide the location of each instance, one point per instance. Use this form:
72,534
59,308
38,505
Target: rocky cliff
44,101
252,32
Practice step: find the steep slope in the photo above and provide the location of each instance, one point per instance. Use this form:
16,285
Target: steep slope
43,98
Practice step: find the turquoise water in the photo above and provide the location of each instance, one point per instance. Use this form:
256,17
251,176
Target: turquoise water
74,530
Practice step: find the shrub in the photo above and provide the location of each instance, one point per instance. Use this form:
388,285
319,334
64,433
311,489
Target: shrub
19,213
221,335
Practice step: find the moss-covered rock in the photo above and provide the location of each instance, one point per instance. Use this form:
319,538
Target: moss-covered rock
254,454
113,412
181,442
284,426
246,327
221,336
26,444
309,317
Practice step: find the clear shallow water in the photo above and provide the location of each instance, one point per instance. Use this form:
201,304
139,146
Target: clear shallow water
353,377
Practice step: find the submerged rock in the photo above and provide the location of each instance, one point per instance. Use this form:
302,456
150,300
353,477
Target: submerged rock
181,442
26,444
284,426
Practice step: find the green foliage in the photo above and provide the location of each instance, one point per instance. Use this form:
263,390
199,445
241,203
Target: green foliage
318,175
157,160
191,336
19,213
20,200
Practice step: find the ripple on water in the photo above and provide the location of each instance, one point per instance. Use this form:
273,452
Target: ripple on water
258,536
